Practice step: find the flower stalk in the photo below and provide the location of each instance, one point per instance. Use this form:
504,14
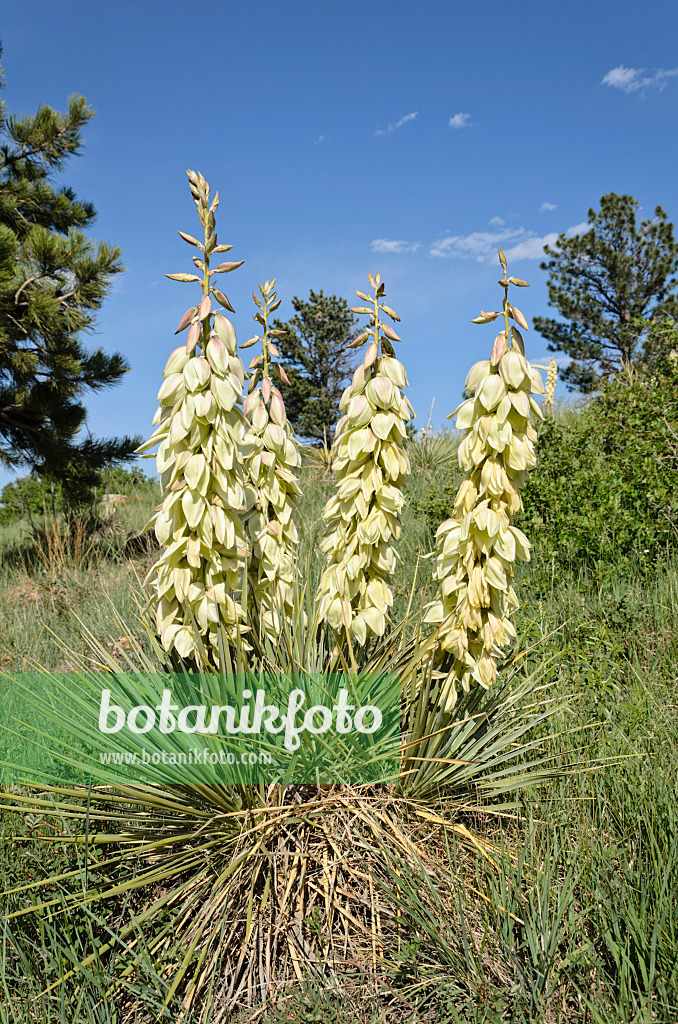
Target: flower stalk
363,516
271,455
477,548
199,425
550,391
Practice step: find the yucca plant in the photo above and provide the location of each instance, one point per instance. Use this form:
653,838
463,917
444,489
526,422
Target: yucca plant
200,427
231,894
271,455
478,546
363,517
234,892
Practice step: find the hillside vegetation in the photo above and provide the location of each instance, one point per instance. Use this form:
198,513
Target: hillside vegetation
576,921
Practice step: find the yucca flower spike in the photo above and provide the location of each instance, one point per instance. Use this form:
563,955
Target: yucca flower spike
363,516
198,578
478,546
271,454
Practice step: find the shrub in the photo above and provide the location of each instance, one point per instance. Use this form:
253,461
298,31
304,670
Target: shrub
619,456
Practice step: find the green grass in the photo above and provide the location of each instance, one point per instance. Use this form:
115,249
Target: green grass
577,921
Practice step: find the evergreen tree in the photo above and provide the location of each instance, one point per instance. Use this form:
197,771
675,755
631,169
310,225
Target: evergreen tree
314,354
605,283
53,279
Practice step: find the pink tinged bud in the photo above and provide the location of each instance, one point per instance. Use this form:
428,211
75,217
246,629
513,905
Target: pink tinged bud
222,299
498,349
266,389
359,340
255,362
281,373
225,268
519,318
485,318
184,278
205,307
186,319
371,354
390,312
359,377
190,239
518,340
193,336
390,333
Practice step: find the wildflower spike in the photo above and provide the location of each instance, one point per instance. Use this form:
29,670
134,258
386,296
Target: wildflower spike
198,578
271,455
478,546
363,516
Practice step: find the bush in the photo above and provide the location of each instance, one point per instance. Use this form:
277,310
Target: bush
606,482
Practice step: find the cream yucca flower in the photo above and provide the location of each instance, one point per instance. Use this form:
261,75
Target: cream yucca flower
478,546
550,390
200,426
271,455
363,516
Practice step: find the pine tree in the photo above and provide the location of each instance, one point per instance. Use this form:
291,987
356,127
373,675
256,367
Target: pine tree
53,279
603,283
313,348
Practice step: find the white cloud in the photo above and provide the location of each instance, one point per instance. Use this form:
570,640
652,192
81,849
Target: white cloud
517,243
637,79
497,222
545,207
321,138
393,245
531,248
397,124
479,245
460,121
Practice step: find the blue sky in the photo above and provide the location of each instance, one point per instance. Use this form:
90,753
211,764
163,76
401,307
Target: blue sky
408,138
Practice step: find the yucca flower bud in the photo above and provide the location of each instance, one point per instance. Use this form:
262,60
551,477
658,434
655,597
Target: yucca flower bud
200,426
363,516
550,390
271,454
478,546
